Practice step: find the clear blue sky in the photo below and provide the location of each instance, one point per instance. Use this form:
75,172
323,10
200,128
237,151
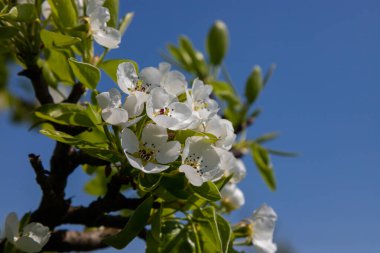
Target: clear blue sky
323,98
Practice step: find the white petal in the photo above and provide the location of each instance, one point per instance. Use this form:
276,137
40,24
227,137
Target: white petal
134,161
168,152
174,83
264,220
264,246
232,196
104,100
131,122
11,227
200,91
154,135
191,174
133,105
164,67
126,77
99,16
154,168
107,37
151,76
129,141
93,4
115,97
46,9
115,116
38,232
159,99
28,245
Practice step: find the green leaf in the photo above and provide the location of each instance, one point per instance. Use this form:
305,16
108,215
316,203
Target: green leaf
176,184
269,73
110,67
262,161
225,92
86,73
66,114
97,186
113,7
156,224
193,58
125,22
58,64
182,135
180,243
57,40
253,85
103,154
8,32
24,221
225,232
64,13
282,153
266,137
148,182
208,191
217,42
206,220
135,224
22,13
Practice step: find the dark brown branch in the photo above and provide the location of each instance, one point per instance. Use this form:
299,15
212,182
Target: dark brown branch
34,73
64,240
76,93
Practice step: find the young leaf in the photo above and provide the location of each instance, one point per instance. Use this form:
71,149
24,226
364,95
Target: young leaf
64,13
57,40
113,7
58,64
22,13
208,191
125,22
253,85
217,42
262,161
110,67
148,182
86,73
135,224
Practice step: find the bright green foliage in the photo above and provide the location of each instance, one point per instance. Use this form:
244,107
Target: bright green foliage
86,73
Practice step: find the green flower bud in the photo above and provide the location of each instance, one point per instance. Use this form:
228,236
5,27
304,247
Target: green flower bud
217,42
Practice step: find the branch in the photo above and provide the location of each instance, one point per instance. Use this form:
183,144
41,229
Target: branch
76,93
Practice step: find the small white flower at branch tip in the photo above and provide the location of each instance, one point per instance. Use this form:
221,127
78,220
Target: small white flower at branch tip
263,221
222,129
203,107
110,103
165,110
232,196
200,161
231,166
33,238
105,36
153,151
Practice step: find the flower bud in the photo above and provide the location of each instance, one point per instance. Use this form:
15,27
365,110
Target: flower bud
217,42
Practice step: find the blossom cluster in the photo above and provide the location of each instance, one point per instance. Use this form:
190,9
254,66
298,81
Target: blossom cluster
162,96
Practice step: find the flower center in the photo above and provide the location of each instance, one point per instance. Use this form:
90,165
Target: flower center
200,104
162,111
146,154
195,162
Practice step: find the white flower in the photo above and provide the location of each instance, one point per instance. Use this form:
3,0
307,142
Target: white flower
153,151
204,108
231,166
131,83
232,196
33,237
223,130
164,109
200,161
174,82
98,17
110,103
263,221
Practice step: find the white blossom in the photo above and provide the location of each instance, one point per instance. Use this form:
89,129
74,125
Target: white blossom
231,166
223,130
153,151
263,221
33,237
203,107
110,103
98,15
232,196
200,161
165,110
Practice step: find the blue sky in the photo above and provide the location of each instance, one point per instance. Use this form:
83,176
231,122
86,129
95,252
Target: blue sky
323,99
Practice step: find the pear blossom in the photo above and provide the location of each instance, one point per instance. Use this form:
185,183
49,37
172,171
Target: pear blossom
230,165
203,107
165,110
263,222
98,15
200,161
232,196
110,103
223,130
153,151
33,238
